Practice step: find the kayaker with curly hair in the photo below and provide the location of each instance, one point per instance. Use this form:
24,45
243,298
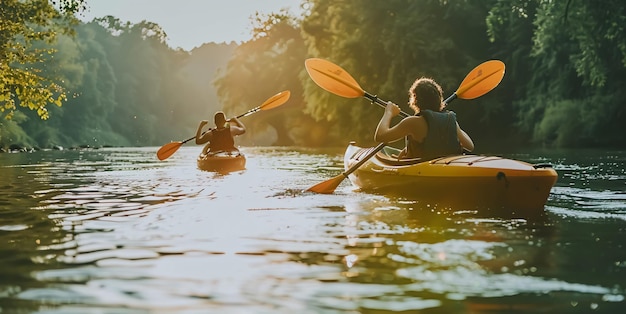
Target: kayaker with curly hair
222,137
432,132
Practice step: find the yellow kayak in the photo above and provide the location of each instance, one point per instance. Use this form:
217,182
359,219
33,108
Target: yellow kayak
222,162
460,182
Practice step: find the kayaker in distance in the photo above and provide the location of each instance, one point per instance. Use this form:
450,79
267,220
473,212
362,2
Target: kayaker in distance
432,132
222,137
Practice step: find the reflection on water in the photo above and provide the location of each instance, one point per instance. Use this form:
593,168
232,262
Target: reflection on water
116,230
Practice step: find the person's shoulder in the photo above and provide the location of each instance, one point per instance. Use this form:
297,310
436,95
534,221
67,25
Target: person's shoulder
413,120
409,118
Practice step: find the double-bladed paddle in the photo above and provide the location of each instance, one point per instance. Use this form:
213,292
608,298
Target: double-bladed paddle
336,80
169,149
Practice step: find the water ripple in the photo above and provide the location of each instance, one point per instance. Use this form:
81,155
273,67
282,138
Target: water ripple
115,230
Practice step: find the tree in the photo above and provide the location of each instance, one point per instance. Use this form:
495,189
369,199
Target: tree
23,23
570,68
262,67
386,45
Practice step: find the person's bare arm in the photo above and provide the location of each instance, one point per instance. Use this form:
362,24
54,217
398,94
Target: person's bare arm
202,138
464,139
414,126
385,133
238,128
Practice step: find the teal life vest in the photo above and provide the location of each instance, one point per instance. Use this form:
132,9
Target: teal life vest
441,139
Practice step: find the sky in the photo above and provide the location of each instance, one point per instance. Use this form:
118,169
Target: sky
191,23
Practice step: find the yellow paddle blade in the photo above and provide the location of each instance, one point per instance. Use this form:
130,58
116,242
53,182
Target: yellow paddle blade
328,186
168,150
333,78
481,79
275,100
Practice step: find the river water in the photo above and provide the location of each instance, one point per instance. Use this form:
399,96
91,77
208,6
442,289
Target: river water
114,230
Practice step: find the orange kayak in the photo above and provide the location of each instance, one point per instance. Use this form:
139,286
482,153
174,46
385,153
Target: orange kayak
459,182
222,162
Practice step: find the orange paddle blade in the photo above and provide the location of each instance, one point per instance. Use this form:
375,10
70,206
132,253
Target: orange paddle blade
275,100
333,78
270,103
481,79
168,150
328,186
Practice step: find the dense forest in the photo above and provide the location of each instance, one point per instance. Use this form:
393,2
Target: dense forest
110,82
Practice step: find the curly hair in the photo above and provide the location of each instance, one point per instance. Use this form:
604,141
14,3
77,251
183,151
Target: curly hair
425,94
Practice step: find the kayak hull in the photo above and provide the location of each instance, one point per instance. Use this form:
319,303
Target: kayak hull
459,182
222,162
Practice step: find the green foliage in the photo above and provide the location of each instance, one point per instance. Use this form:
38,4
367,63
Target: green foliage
120,84
12,133
593,33
386,45
262,67
569,65
562,120
576,123
22,80
124,87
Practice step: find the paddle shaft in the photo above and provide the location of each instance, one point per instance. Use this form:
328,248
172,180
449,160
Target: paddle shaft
371,154
251,111
380,102
462,89
449,99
